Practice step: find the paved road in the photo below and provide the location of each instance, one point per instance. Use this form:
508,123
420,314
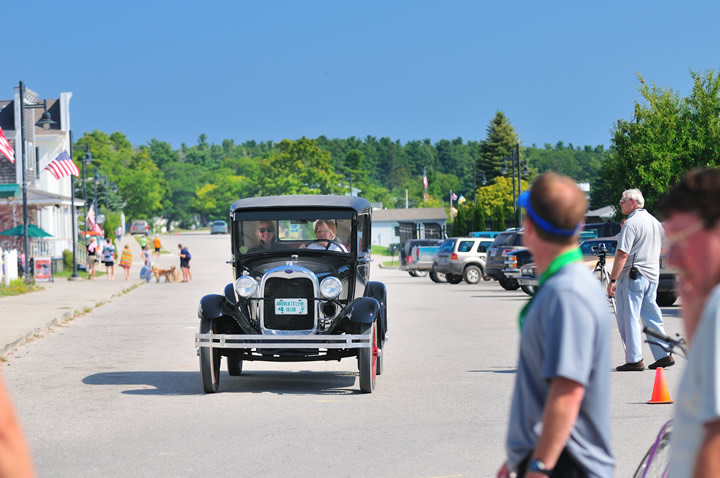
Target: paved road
117,392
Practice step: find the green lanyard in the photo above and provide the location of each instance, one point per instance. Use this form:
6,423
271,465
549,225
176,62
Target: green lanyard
558,263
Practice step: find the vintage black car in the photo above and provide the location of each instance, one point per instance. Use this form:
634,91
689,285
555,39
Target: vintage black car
296,296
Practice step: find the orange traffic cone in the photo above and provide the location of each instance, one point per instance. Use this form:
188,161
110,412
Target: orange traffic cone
660,392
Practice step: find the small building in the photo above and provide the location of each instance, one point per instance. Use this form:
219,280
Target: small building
392,226
48,199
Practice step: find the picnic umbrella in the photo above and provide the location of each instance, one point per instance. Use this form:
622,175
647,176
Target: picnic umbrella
33,231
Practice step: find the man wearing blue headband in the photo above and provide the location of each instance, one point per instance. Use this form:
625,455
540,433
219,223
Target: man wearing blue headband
636,269
560,412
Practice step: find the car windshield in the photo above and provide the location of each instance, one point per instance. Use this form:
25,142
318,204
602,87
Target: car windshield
508,239
219,223
310,233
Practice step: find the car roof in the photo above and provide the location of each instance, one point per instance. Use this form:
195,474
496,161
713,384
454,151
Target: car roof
301,202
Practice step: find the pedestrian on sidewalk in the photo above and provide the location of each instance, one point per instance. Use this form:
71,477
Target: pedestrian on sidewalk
92,253
126,260
636,269
118,233
158,245
143,242
108,253
692,223
560,413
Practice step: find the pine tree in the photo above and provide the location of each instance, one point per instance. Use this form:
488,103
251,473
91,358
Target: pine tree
501,139
460,224
478,219
499,218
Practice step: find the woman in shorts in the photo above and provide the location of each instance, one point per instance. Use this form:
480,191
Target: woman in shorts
108,253
92,252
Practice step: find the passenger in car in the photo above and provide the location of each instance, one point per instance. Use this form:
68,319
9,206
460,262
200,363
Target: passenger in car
326,231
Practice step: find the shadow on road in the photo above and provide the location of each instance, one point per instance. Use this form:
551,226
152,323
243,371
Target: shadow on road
188,383
506,370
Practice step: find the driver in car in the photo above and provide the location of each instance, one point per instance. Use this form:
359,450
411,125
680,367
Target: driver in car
326,233
266,237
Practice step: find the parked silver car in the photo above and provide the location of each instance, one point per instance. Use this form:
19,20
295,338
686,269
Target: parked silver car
462,258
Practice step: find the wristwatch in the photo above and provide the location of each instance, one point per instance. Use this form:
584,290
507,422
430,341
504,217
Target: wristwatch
537,466
612,281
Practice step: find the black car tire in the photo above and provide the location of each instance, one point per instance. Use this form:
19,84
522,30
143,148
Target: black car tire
437,277
418,273
367,360
454,279
528,289
509,284
665,299
472,274
234,365
209,360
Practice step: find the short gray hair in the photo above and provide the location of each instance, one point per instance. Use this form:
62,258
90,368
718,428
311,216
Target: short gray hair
636,195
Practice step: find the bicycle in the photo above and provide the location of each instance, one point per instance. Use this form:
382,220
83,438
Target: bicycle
656,461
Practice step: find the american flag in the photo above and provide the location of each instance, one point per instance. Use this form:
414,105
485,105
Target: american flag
5,147
62,166
94,227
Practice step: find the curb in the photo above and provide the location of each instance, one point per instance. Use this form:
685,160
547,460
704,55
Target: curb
54,322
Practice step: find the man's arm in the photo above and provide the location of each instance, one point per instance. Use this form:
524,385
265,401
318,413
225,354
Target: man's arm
708,459
618,264
561,411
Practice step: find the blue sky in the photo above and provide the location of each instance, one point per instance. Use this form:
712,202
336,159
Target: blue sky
268,70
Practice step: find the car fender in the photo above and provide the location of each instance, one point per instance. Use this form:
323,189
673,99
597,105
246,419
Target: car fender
364,310
378,291
215,306
212,306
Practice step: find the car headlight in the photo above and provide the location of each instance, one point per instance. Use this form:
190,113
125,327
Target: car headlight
330,287
246,286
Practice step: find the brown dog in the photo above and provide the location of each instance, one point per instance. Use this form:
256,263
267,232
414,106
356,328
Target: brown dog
171,275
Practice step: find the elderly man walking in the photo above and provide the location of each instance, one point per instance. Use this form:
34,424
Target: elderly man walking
692,224
560,412
634,282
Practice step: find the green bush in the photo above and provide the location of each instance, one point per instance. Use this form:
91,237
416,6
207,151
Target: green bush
68,259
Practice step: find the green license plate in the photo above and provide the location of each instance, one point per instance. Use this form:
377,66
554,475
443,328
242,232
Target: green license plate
290,306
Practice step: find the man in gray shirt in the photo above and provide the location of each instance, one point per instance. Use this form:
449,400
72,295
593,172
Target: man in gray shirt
560,413
634,282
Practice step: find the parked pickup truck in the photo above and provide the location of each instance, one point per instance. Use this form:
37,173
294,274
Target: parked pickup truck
420,255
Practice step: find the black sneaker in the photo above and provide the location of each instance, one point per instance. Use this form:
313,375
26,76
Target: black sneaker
631,367
664,362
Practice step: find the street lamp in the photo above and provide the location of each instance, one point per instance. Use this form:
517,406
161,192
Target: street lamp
484,182
107,193
86,159
45,122
515,162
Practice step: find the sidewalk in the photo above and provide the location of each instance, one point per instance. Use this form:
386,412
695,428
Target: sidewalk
24,316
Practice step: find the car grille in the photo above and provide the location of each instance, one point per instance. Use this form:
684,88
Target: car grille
298,288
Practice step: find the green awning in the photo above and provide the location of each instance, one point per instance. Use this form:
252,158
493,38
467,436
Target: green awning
9,190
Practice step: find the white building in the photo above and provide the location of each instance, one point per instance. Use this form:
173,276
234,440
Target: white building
391,226
48,199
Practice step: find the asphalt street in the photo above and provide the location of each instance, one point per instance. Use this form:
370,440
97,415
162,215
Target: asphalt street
117,391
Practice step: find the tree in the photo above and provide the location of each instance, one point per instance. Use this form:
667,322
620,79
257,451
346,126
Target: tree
299,167
460,223
478,219
498,195
501,139
667,136
499,218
